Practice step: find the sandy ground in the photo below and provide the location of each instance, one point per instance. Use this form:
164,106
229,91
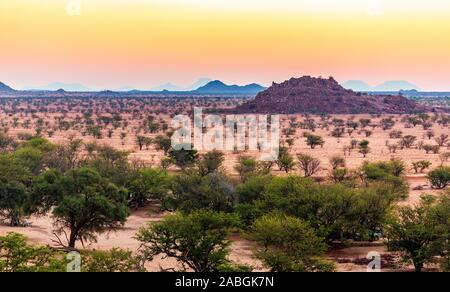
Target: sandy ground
348,259
351,259
40,233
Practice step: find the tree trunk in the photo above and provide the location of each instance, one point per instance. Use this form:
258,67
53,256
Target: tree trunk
418,267
72,239
15,219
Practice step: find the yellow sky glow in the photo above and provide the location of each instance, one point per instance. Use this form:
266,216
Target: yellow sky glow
143,43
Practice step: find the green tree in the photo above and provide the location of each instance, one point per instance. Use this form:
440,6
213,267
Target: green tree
17,256
191,191
111,261
420,166
440,177
15,200
162,143
6,143
150,184
388,173
413,232
314,140
288,244
364,148
210,162
308,164
285,160
140,140
198,241
85,204
246,166
111,164
183,157
34,154
335,211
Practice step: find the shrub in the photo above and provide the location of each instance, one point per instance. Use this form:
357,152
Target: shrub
440,177
198,241
288,244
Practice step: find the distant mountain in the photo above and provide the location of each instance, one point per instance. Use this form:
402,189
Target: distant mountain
171,87
5,88
357,85
124,89
199,83
59,85
388,86
218,87
317,95
168,87
202,86
395,86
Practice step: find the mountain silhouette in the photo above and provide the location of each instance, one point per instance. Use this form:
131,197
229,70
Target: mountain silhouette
395,85
357,85
388,86
218,87
5,88
59,85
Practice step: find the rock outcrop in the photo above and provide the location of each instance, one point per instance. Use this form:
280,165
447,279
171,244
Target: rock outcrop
317,95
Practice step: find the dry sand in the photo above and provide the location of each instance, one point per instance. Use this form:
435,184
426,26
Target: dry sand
40,232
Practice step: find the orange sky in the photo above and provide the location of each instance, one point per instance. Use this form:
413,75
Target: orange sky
144,43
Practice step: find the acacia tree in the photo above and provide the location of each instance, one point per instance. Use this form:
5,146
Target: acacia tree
198,241
420,166
15,204
288,244
442,139
364,148
314,140
285,160
149,184
440,177
17,256
210,162
14,199
162,143
140,140
246,166
84,204
413,231
191,191
184,157
308,164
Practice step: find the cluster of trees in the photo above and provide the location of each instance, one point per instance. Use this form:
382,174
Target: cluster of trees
293,220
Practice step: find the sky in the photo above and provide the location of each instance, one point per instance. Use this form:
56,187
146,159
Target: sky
145,43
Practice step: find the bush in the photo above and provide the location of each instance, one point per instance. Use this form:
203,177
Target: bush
308,164
150,184
420,232
210,162
335,211
440,177
17,256
387,172
288,244
314,140
420,166
198,241
114,260
191,191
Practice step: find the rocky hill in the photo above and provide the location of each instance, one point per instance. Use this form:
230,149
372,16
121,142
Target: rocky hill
317,95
